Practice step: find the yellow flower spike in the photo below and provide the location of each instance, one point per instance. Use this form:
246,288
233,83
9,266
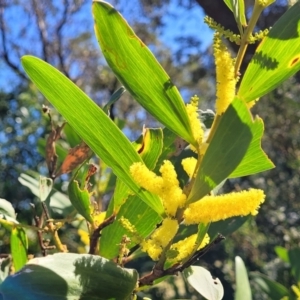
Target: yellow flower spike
171,195
192,111
163,234
225,76
189,165
296,290
186,247
146,178
216,208
160,238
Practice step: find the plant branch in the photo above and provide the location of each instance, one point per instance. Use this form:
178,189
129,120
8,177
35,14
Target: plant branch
158,272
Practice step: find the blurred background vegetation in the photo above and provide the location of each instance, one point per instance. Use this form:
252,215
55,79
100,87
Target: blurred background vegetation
61,33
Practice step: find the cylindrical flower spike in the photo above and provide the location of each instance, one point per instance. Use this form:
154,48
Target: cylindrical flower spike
216,208
160,238
225,76
185,247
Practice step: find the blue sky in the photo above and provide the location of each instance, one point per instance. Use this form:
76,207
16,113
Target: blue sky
184,23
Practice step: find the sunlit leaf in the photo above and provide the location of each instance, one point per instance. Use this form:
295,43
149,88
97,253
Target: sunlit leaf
276,58
243,289
282,253
18,247
138,70
204,283
90,122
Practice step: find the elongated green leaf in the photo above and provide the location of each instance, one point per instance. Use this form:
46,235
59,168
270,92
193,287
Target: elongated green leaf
238,9
138,70
276,58
18,247
255,159
225,151
271,288
204,283
90,122
243,290
142,217
68,276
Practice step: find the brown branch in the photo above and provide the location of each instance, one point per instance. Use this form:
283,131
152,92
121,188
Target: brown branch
96,234
157,272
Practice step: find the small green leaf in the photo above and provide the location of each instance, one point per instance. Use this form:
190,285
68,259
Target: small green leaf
139,214
80,198
96,129
271,288
238,9
255,159
114,98
18,247
7,209
282,253
69,276
226,150
139,71
276,58
204,283
243,290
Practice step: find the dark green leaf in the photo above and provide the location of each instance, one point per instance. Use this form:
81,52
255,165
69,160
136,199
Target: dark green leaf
67,276
294,256
138,70
243,289
90,122
226,150
226,227
276,59
271,288
18,247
